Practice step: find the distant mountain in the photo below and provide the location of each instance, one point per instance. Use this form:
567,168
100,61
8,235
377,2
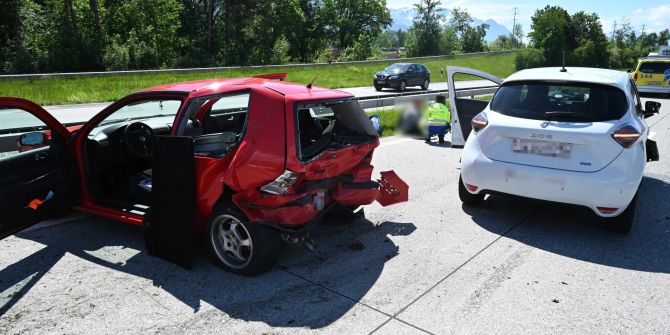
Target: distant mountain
403,18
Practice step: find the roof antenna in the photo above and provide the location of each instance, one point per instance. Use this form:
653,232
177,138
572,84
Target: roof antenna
564,69
309,86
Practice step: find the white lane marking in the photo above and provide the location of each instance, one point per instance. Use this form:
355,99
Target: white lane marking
394,142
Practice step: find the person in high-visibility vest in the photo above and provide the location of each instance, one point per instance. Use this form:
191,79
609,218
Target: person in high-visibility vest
439,119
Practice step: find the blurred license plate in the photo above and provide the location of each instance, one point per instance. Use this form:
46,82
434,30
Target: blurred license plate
381,82
543,148
655,83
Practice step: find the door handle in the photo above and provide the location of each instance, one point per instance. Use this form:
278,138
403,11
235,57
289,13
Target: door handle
41,156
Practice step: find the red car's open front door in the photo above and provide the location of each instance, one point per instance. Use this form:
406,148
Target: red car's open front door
37,170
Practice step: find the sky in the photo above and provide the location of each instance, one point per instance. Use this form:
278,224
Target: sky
654,14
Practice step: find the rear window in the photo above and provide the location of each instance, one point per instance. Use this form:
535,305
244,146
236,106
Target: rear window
331,126
539,100
654,67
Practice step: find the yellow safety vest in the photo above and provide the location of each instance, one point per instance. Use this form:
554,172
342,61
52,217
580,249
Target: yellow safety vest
438,115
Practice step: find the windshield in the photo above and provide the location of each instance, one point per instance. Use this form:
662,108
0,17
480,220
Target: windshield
143,110
561,101
654,67
396,68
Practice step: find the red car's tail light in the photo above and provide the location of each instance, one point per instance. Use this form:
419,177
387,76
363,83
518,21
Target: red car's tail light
282,184
626,136
607,210
479,122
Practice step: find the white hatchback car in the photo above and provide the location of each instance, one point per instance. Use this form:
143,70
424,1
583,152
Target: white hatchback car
574,136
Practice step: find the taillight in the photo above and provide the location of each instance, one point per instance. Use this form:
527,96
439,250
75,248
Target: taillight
626,136
282,184
635,76
479,122
607,210
471,188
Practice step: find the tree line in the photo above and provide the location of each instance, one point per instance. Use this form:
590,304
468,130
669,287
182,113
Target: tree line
85,35
581,37
432,33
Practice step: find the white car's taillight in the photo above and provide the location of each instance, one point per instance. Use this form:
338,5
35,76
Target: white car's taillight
479,122
626,136
282,184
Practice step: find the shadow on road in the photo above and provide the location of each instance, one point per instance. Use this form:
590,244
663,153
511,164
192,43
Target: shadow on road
576,232
278,298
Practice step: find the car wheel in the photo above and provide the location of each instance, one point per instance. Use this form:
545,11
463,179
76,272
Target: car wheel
623,223
378,88
239,246
402,86
467,197
425,85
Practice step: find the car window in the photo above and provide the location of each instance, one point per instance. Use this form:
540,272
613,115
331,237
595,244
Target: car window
15,123
539,100
397,68
144,109
654,67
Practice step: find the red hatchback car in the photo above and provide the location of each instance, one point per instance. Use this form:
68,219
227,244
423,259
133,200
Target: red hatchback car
248,163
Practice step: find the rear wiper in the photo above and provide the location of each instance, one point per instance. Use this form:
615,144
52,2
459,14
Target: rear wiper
567,115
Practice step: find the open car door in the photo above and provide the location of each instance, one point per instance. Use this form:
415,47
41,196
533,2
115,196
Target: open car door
466,106
37,170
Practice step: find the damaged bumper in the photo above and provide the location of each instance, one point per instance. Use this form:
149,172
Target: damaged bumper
308,206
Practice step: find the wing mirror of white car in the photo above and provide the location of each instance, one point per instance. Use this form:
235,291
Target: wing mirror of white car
651,108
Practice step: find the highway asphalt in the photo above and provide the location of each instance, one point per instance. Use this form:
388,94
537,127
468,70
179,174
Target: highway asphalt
431,265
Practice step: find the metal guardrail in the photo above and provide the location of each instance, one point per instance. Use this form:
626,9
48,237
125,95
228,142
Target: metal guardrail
231,68
392,99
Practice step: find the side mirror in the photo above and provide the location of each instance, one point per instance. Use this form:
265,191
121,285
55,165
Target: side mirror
651,108
34,139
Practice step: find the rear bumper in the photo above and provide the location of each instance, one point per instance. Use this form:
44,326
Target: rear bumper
299,210
653,89
614,186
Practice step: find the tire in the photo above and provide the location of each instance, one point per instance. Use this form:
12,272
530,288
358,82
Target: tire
378,88
467,197
239,246
623,223
402,87
425,85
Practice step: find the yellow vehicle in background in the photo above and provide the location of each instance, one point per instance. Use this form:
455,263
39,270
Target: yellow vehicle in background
652,74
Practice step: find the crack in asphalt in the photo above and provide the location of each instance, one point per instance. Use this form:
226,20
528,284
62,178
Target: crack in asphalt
395,316
350,299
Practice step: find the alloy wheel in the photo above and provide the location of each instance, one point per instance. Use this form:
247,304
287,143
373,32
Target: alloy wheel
231,241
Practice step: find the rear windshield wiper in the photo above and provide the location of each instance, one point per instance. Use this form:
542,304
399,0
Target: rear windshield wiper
567,115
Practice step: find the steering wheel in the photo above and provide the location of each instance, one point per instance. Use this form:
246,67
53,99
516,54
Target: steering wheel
138,137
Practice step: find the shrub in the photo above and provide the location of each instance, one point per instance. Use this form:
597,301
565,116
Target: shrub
116,56
529,58
280,51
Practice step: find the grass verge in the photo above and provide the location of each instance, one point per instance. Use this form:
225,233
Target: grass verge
52,91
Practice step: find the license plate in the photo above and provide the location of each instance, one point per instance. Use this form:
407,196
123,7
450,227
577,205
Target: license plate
381,82
654,83
542,148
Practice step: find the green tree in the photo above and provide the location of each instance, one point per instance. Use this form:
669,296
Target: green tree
473,38
460,19
346,20
280,51
663,37
588,35
426,29
551,32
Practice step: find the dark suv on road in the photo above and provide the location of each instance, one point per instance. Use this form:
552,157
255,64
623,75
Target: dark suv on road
401,75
